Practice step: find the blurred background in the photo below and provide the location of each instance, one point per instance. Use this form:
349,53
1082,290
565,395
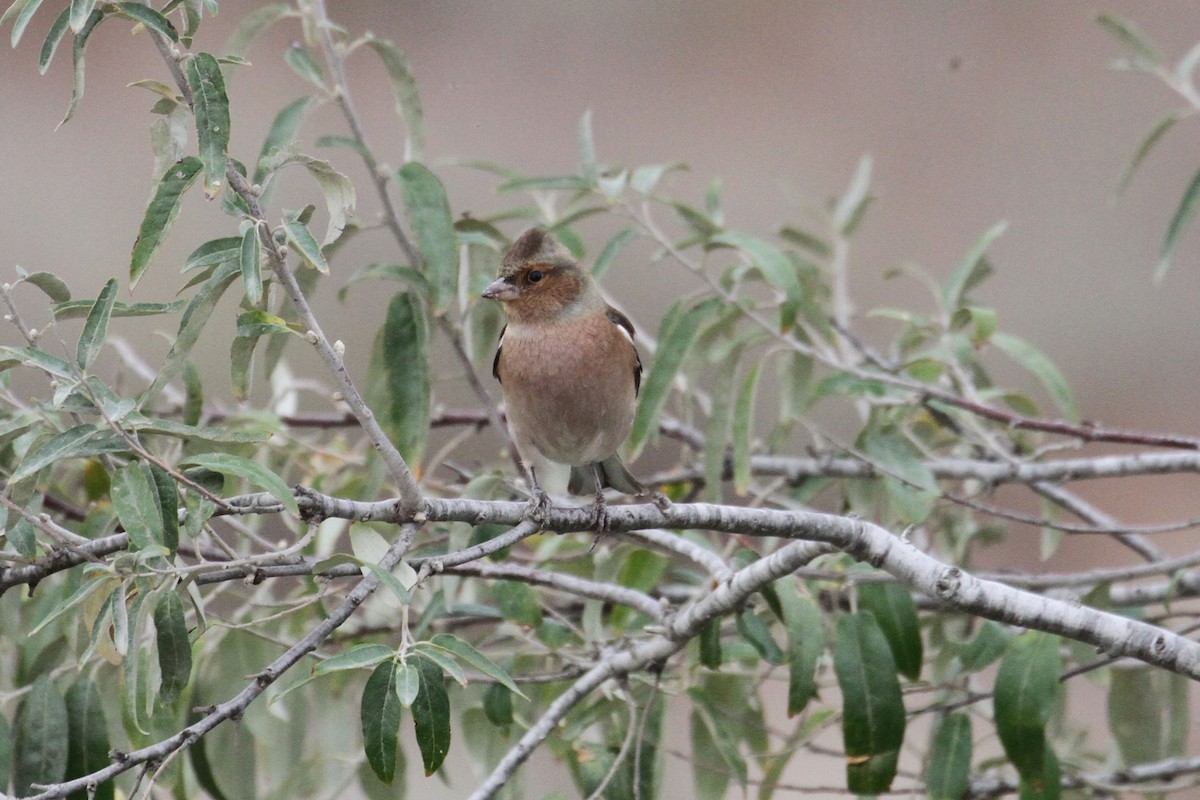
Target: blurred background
973,113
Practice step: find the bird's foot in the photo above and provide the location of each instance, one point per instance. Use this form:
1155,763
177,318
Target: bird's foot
603,520
538,505
661,501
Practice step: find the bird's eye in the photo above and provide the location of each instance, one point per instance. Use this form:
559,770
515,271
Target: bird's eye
535,276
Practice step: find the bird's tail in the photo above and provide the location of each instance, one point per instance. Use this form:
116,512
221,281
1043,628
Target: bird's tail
612,473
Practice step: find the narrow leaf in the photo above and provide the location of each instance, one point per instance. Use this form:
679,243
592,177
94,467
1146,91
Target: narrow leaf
609,254
53,286
851,205
1183,217
408,99
896,613
675,339
135,498
250,261
161,213
1042,368
305,64
174,649
380,713
166,495
190,326
78,55
282,132
429,215
805,643
95,330
873,717
80,11
211,107
743,429
1156,133
431,715
78,442
404,340
1025,693
465,652
253,24
970,270
301,239
150,18
776,268
254,473
52,40
21,11
1145,54
40,736
587,149
88,743
336,188
357,657
949,770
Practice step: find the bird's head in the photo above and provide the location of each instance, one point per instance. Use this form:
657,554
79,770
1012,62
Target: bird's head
539,281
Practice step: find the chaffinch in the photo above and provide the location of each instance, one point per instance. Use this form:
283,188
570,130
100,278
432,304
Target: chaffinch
568,370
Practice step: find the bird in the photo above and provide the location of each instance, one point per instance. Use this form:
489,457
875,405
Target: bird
568,369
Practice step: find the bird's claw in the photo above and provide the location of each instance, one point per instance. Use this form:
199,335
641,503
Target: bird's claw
603,520
537,507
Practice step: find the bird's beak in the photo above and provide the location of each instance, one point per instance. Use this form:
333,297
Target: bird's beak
501,289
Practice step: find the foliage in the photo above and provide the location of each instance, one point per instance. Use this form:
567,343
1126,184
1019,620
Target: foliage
204,563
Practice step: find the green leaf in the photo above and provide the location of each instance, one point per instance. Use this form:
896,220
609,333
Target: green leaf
53,286
21,11
250,262
6,748
195,316
205,775
253,24
254,324
910,484
30,356
211,107
88,743
468,654
1042,368
710,777
1143,714
987,646
167,497
805,643
896,613
408,684
1156,133
1183,217
214,251
971,270
431,715
193,402
380,713
408,99
1025,694
95,330
78,442
301,239
1145,55
743,429
135,497
498,706
148,17
254,473
80,11
853,204
404,341
707,712
336,188
675,339
52,40
282,133
873,717
609,254
710,644
305,64
357,657
428,212
174,649
517,602
754,630
948,772
78,53
161,213
809,241
40,736
77,309
776,268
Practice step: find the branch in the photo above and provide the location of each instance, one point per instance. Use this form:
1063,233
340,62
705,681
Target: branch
235,706
655,649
